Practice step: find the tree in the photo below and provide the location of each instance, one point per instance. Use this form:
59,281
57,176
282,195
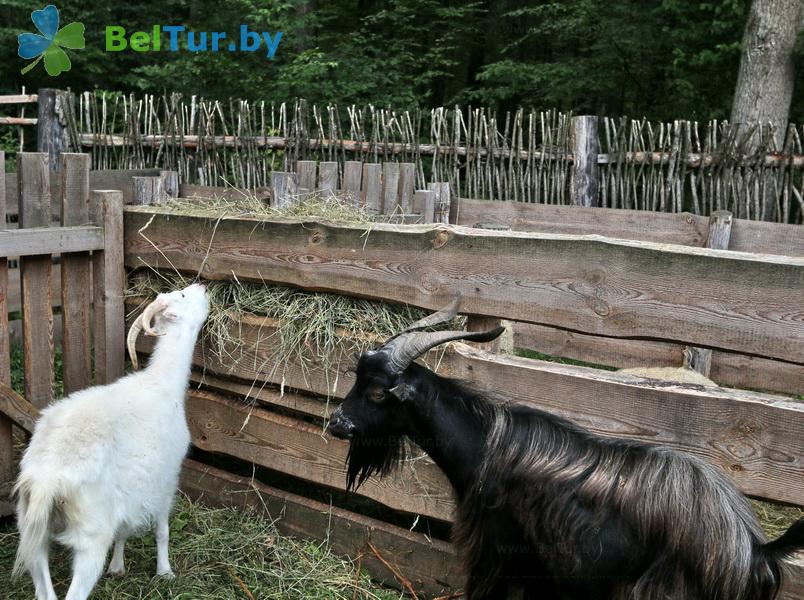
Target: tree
767,73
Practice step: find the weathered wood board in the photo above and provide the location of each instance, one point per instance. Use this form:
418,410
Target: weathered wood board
428,564
619,288
728,368
301,449
682,228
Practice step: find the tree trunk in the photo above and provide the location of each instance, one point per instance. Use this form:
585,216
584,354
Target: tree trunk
765,82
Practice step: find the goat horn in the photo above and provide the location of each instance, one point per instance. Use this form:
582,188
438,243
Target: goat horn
131,341
445,315
406,347
148,315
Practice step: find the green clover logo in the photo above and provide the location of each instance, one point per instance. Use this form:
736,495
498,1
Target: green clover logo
49,45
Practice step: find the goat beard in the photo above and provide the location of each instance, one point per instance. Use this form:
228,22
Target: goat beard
372,455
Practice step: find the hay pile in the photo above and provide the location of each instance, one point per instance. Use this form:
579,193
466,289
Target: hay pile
217,554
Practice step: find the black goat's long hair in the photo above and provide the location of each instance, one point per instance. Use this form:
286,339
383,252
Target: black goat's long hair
691,534
373,456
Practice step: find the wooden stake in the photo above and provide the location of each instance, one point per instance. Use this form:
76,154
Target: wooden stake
585,171
695,358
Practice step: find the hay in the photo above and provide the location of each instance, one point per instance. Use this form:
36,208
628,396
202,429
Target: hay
311,326
214,553
335,207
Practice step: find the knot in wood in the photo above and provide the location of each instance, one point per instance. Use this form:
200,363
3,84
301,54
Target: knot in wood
317,236
441,238
601,307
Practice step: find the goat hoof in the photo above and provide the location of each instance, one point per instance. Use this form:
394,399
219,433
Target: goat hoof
167,575
115,572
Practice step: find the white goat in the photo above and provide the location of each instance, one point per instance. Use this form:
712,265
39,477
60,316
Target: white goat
104,462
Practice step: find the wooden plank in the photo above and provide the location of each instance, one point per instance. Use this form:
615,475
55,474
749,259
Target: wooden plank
728,368
442,201
305,170
6,439
37,302
755,438
148,190
108,275
352,176
303,404
430,565
284,188
390,188
328,176
300,449
695,358
17,409
18,121
52,136
585,174
170,183
76,272
684,228
371,190
407,185
615,288
18,99
14,297
424,202
55,240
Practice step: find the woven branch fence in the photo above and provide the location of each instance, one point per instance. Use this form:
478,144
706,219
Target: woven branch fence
526,156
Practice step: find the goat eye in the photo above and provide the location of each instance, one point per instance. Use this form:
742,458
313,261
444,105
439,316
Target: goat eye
182,295
377,397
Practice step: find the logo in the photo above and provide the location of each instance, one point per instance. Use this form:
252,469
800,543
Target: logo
50,44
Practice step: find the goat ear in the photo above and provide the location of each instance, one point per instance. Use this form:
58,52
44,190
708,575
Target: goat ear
402,392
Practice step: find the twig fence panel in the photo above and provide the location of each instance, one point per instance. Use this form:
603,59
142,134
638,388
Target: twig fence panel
543,157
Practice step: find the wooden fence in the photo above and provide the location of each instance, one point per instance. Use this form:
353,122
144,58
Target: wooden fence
89,241
539,157
611,292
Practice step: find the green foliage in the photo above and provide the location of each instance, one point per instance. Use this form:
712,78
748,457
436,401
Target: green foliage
662,59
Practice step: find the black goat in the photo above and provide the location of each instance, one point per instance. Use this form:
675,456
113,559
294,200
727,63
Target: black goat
550,507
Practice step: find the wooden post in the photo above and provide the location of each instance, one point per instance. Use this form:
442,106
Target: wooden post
284,188
585,171
442,201
352,174
390,188
33,184
6,442
700,359
148,190
170,183
328,176
407,185
305,169
425,201
370,193
76,271
51,126
108,277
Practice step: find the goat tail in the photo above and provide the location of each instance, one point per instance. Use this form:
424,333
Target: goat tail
35,500
788,543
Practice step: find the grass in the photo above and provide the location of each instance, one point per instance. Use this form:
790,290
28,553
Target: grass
217,554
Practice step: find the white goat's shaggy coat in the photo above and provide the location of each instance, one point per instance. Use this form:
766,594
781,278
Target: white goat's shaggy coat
104,462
